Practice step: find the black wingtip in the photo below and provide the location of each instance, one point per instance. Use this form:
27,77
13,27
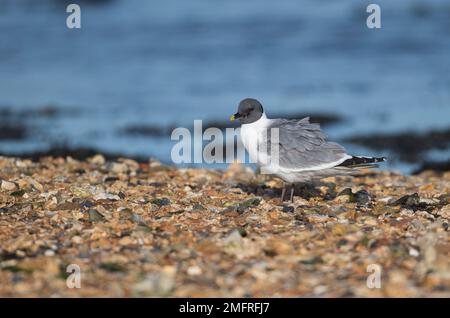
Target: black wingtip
356,161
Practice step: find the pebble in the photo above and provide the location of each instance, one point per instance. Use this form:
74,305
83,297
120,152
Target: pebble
106,196
8,186
97,160
362,197
153,163
408,200
94,215
18,193
125,241
35,185
413,252
161,201
288,209
49,253
194,271
250,202
117,167
77,239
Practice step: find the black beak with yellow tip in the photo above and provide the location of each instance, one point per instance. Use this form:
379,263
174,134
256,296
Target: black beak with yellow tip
235,116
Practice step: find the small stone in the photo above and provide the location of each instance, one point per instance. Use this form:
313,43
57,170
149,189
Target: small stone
342,199
198,207
316,217
35,185
97,160
77,239
312,260
242,231
94,216
160,201
346,191
194,271
241,209
445,212
87,204
79,171
408,200
413,252
288,209
82,191
8,186
426,201
345,196
131,164
232,211
125,241
385,199
342,242
127,214
23,163
362,197
110,179
153,163
18,193
250,202
49,253
113,267
117,167
106,196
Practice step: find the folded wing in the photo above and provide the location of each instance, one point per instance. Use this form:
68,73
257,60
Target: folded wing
303,146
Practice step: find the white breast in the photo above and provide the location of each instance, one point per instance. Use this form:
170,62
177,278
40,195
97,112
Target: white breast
251,134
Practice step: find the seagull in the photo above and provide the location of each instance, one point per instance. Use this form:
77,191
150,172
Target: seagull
294,150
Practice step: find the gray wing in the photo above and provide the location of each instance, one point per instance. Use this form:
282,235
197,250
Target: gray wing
302,145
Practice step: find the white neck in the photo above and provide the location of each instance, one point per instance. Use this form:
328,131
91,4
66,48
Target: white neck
251,137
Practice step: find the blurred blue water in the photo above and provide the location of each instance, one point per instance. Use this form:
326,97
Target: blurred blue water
170,62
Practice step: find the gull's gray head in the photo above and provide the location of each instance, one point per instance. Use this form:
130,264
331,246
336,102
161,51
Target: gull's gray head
249,111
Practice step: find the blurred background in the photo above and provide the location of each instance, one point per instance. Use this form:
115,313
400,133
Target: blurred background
136,69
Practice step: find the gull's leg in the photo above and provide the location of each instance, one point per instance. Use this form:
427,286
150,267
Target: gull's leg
292,193
283,192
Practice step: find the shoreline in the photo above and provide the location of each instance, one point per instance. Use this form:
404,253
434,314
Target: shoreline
421,151
84,153
146,229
